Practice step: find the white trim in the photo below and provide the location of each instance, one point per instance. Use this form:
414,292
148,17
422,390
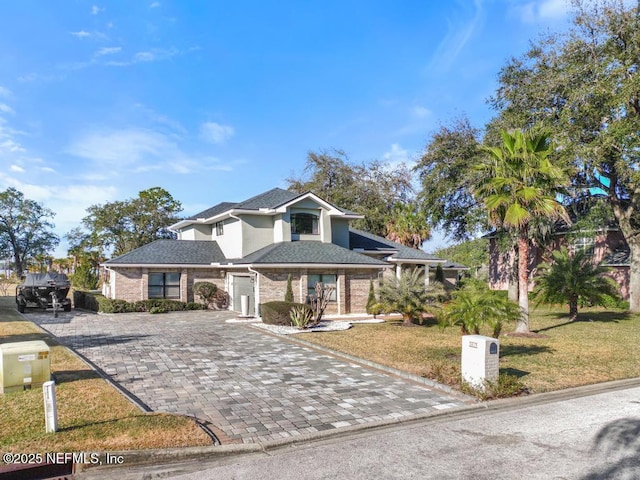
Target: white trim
313,265
165,265
415,261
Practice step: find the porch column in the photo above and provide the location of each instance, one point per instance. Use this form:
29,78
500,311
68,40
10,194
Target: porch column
426,276
398,271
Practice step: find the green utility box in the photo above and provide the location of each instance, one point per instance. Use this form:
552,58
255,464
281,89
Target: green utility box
24,365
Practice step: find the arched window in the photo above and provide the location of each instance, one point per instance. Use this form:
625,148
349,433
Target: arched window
304,223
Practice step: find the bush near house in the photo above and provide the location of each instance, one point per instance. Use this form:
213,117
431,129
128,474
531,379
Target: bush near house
99,303
279,313
211,295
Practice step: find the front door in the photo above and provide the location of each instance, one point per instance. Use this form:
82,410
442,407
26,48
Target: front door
243,285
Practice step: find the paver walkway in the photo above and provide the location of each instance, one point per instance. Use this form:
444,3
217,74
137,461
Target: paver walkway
251,385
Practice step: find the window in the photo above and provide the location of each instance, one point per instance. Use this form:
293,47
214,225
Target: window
164,285
584,244
304,223
219,229
325,279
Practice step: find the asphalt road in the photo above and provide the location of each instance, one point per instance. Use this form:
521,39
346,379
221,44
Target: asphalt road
587,437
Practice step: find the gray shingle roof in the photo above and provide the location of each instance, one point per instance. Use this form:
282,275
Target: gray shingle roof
213,211
271,199
173,252
370,242
307,252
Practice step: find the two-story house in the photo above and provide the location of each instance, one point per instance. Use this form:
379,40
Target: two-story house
251,247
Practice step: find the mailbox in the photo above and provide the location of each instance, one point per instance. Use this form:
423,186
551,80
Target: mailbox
24,365
480,359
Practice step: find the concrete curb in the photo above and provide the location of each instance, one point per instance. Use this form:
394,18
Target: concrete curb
141,458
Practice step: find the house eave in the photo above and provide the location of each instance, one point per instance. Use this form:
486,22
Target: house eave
416,261
315,265
162,265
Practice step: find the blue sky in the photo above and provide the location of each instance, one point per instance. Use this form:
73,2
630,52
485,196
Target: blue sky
217,101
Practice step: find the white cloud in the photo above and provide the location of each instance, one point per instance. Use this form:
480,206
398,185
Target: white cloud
458,35
396,155
154,5
4,108
95,10
215,133
137,150
80,34
16,168
542,10
121,147
4,92
149,56
421,112
107,51
144,57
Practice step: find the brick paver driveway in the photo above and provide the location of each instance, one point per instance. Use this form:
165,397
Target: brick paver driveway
251,385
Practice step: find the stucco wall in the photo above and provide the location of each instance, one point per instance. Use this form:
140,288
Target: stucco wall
257,232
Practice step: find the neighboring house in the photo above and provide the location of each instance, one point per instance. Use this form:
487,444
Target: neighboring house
607,247
251,247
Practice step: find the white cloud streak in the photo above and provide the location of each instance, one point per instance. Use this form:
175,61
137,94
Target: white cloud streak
81,34
457,37
213,132
138,150
107,51
4,108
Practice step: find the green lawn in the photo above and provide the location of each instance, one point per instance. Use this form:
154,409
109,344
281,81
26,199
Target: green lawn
92,415
601,346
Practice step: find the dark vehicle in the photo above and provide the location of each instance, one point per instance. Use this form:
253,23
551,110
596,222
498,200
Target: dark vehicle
46,290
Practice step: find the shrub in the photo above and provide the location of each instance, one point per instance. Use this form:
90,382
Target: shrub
372,300
206,291
195,306
278,313
288,296
84,277
506,386
474,307
573,279
85,301
301,316
98,303
407,295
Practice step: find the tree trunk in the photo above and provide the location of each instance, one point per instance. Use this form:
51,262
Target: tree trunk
18,264
407,321
513,276
523,283
634,276
573,309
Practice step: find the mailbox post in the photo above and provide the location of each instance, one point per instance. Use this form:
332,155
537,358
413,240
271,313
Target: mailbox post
480,359
50,406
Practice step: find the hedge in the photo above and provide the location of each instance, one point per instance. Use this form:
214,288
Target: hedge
99,303
278,313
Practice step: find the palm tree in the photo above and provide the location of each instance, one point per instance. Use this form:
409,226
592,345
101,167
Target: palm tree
572,278
407,226
519,184
473,307
407,296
